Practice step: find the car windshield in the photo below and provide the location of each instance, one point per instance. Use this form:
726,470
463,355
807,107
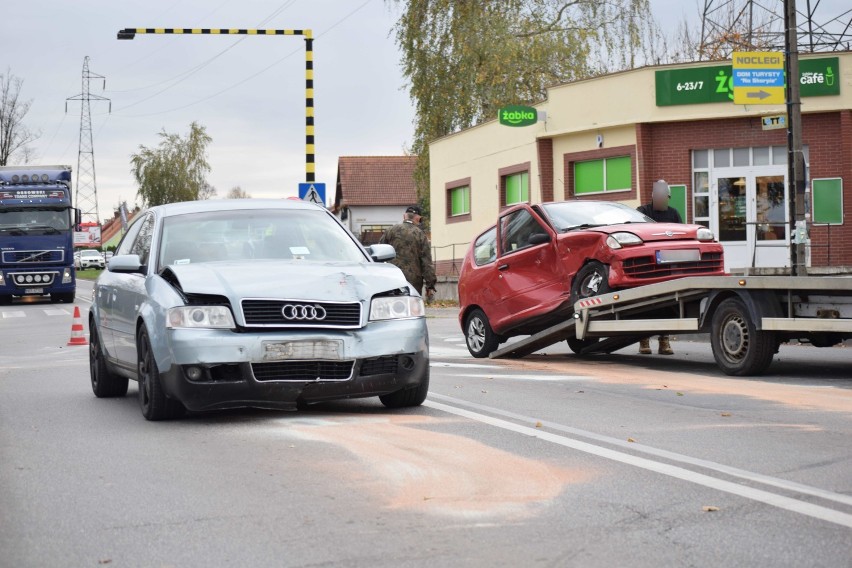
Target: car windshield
569,215
283,234
92,253
33,221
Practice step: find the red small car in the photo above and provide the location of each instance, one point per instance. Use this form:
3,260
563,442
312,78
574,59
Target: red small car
525,274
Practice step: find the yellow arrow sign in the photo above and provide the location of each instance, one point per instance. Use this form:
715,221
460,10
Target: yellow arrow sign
758,78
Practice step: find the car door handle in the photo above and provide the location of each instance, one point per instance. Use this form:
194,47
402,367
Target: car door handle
503,267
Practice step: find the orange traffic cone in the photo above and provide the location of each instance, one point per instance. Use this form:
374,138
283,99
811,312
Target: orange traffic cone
77,335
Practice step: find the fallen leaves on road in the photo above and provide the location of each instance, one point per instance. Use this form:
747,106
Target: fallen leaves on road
631,440
538,424
726,414
709,508
680,394
484,391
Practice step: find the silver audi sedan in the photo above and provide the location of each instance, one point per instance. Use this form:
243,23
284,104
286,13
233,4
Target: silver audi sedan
263,303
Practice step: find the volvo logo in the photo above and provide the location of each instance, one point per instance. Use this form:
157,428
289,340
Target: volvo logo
303,312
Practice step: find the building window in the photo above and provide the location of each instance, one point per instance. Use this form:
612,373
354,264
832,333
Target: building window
599,176
458,200
517,188
372,234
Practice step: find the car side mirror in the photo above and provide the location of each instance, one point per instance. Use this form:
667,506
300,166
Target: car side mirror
381,252
126,264
538,238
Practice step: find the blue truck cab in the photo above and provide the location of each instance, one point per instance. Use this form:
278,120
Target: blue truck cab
37,225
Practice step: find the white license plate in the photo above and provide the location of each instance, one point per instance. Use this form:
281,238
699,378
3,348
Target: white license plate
303,350
678,255
33,290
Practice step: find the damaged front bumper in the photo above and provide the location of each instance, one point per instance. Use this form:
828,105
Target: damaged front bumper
215,369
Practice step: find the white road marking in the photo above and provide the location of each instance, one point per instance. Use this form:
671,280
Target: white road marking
56,312
15,314
759,495
444,365
543,378
672,456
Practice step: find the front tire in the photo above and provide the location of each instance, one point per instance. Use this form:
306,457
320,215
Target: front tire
479,337
738,347
591,280
408,397
105,383
153,402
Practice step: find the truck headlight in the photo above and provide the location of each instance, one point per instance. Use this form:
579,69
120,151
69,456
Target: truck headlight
618,240
704,234
396,307
200,317
2,280
66,275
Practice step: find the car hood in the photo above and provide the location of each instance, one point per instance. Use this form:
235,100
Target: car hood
650,232
292,280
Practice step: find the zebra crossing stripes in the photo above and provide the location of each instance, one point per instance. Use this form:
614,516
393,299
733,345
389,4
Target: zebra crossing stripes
10,314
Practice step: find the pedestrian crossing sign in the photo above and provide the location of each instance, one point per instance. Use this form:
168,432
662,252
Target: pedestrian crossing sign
312,192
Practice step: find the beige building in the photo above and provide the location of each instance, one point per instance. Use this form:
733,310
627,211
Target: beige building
612,136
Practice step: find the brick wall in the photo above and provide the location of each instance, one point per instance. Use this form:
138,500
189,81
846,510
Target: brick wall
664,152
545,168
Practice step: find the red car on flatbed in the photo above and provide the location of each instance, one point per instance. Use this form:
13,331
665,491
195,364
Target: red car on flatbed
525,273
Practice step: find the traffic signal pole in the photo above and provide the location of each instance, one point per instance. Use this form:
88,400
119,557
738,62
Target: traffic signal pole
310,161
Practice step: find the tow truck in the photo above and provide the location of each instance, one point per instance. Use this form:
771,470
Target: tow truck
747,317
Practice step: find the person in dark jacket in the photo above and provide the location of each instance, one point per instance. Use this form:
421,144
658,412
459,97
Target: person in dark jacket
413,251
660,211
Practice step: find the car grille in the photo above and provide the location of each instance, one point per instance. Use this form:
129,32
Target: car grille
303,371
380,366
647,267
270,313
28,256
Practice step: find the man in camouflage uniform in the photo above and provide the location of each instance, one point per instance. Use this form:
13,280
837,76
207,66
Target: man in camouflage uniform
413,251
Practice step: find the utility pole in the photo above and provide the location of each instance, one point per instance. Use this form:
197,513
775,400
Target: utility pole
795,155
86,196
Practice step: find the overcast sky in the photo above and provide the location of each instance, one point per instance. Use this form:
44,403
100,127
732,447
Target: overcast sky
250,98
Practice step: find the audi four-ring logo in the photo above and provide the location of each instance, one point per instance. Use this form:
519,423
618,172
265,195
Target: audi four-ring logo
303,312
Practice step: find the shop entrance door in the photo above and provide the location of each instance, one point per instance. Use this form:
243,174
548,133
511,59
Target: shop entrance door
748,214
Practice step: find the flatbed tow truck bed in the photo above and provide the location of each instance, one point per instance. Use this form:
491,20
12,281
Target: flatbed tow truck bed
748,317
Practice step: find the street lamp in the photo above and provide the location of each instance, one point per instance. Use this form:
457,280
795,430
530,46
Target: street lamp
310,164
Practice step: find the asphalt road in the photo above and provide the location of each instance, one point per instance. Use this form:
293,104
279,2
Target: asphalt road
552,460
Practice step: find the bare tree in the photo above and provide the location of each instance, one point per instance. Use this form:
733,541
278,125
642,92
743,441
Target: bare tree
14,135
238,193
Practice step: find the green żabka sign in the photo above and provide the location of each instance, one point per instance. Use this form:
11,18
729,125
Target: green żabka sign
517,115
715,84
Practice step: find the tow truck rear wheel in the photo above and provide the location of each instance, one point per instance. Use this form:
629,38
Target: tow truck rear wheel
479,337
738,347
578,345
105,383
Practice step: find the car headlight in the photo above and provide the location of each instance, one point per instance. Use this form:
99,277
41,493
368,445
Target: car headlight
618,240
704,234
200,317
396,307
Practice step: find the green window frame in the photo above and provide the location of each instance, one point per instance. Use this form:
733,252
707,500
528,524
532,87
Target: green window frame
459,201
517,188
602,175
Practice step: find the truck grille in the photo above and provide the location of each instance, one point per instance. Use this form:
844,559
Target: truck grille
303,371
647,267
32,256
32,279
301,314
